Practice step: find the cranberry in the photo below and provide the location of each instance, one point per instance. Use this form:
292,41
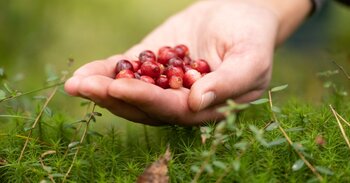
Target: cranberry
181,50
176,61
147,79
151,69
164,48
175,82
161,67
200,65
147,55
123,65
136,64
174,71
125,74
163,81
190,77
166,55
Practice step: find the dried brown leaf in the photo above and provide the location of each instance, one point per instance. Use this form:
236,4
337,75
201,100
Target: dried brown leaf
157,172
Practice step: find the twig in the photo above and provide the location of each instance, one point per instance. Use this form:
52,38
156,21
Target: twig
342,69
43,165
307,163
36,122
340,126
80,142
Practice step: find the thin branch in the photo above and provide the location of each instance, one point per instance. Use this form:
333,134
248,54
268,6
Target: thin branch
80,142
36,122
342,69
308,164
43,164
340,126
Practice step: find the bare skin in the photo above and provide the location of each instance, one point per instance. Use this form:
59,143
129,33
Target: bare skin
236,37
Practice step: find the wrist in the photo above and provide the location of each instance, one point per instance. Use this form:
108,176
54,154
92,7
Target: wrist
290,14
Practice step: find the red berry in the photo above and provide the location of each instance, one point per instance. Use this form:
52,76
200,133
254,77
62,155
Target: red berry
125,74
123,65
164,48
136,64
163,81
151,69
176,61
147,79
174,71
161,67
181,50
190,77
166,55
175,82
200,65
147,55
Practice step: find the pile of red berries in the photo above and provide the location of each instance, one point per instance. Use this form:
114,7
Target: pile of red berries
171,68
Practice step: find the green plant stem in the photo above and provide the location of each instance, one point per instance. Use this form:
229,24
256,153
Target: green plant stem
80,142
308,164
342,69
33,91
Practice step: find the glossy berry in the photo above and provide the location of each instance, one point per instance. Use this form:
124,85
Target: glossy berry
166,55
190,77
181,50
147,55
125,74
164,48
163,81
176,61
151,69
175,82
174,71
123,65
136,64
200,65
147,79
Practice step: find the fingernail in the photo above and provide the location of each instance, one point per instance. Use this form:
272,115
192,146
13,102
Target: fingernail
206,100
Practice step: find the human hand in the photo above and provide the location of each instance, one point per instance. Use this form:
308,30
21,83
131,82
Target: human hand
236,37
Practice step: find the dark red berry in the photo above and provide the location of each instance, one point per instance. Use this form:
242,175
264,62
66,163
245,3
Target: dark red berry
181,50
163,81
166,55
190,77
136,64
151,69
175,82
125,74
176,61
200,65
123,65
147,79
174,71
147,55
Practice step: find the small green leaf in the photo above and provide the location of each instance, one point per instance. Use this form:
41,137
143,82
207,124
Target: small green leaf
48,111
276,142
242,145
242,106
2,95
219,164
97,114
236,164
57,175
47,168
272,126
205,154
195,168
279,88
324,170
276,109
260,101
298,165
73,144
327,84
94,133
27,128
209,168
295,129
8,88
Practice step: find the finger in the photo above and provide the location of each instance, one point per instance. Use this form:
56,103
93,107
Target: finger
167,105
237,75
95,88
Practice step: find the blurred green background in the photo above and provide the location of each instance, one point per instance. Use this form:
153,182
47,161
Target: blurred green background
37,37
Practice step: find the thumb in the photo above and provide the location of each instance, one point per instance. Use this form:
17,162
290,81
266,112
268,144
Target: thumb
242,78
